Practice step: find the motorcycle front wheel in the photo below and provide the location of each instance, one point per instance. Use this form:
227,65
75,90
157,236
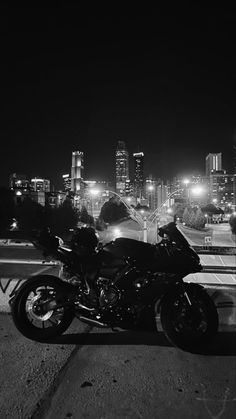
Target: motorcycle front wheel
186,325
35,312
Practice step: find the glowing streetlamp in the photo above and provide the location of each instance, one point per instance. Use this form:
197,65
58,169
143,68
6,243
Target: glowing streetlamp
197,190
94,192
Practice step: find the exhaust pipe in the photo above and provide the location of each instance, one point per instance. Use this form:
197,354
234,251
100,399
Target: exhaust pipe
91,321
79,305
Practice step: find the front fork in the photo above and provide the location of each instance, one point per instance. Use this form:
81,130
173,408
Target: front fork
193,309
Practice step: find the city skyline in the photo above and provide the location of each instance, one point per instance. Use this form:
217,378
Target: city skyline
212,164
161,83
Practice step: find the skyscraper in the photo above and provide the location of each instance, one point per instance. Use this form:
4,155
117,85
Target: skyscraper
77,171
138,175
66,182
122,167
222,189
40,185
213,163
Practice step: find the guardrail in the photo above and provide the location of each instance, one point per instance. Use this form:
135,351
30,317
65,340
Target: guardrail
215,250
29,262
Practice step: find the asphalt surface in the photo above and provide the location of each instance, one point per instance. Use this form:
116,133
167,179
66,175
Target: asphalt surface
109,375
30,371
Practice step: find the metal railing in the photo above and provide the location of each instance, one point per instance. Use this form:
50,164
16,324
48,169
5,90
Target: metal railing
201,250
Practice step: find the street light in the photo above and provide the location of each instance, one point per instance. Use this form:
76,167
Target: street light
94,192
197,190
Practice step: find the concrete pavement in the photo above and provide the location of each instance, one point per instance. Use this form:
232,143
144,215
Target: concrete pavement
29,370
109,375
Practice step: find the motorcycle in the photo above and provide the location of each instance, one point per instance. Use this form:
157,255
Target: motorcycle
124,283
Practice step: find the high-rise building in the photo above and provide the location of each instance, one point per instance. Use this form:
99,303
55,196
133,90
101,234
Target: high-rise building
19,182
77,172
151,192
213,163
40,185
122,167
138,175
66,182
222,189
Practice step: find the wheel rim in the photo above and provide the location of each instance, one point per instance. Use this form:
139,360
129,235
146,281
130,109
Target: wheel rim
184,319
35,301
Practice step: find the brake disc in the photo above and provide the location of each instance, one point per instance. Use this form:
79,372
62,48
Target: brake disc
32,309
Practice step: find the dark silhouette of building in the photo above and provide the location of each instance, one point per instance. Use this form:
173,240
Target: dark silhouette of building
77,172
122,167
138,175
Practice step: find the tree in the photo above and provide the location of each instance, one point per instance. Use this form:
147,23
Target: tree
179,209
7,208
192,218
186,216
200,220
211,209
141,207
113,211
84,216
30,215
63,218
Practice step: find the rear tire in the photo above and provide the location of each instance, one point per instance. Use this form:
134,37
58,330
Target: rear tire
40,326
186,326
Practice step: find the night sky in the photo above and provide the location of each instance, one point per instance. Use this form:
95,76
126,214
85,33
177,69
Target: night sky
162,81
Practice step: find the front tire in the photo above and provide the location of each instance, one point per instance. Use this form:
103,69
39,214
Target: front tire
27,314
186,326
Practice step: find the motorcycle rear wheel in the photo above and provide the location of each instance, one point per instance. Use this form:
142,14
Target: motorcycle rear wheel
186,326
27,313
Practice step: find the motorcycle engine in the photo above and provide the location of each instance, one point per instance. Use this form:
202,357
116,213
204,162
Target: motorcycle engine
109,296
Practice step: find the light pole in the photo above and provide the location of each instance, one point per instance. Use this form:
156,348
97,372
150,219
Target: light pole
197,190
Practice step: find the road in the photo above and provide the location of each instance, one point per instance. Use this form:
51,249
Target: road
221,236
